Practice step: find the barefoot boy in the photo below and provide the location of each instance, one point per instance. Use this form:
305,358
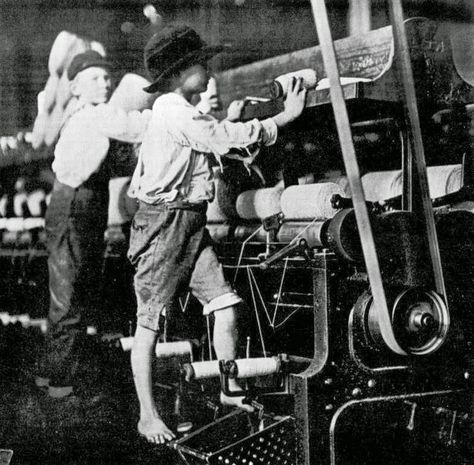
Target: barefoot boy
170,245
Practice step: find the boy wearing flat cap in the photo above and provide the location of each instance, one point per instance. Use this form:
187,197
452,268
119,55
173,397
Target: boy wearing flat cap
76,217
170,245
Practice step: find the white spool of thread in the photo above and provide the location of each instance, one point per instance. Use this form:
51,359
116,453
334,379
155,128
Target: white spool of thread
3,205
381,185
162,349
35,201
279,86
20,203
310,201
444,179
15,224
253,367
33,223
341,181
173,349
259,203
209,369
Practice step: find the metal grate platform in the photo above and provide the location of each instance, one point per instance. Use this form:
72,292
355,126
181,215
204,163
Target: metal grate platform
241,439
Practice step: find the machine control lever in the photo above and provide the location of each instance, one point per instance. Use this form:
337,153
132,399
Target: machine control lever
300,245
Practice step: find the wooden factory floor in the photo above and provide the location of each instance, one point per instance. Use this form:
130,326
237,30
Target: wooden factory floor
98,430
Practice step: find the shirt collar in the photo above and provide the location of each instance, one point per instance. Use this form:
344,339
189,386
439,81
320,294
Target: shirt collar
173,97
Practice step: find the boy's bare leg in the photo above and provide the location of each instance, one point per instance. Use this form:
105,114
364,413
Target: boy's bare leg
225,343
151,425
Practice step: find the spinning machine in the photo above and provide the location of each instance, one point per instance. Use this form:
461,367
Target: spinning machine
352,243
359,329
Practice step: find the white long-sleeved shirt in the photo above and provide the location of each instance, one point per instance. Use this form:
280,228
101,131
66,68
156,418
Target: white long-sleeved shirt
174,158
84,139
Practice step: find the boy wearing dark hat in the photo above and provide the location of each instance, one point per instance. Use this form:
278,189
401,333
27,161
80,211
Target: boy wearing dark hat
170,245
76,217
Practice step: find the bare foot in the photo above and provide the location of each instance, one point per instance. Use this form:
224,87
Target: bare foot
236,402
155,431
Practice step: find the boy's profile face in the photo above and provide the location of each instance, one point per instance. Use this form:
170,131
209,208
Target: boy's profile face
93,85
194,79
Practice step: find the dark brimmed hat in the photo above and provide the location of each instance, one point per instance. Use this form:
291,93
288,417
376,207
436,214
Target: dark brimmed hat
87,59
170,49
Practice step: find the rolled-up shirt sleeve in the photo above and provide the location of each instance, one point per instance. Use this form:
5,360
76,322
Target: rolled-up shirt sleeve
206,134
115,123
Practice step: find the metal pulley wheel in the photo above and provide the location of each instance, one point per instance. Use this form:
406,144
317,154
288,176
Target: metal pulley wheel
342,236
420,321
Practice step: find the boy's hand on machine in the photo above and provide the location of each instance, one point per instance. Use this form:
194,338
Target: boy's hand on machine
295,98
294,103
234,111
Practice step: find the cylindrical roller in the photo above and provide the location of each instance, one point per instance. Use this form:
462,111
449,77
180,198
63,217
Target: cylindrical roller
201,370
310,201
162,349
36,202
444,179
342,182
15,224
253,367
241,368
173,349
243,232
259,203
313,234
33,223
20,203
343,236
381,185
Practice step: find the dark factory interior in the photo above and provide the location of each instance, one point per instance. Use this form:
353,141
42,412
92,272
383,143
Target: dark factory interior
344,235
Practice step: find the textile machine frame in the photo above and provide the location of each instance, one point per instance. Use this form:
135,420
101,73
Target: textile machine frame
387,361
